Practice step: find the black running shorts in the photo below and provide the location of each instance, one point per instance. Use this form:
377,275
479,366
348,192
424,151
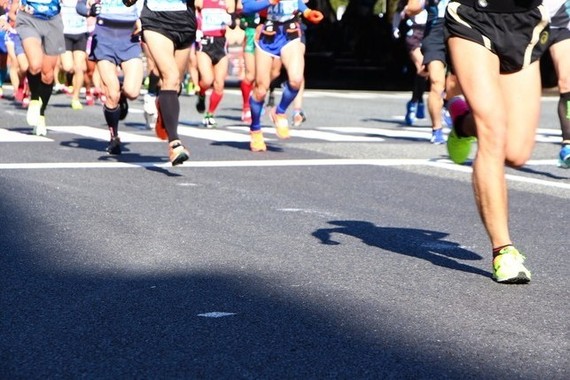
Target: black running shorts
177,26
215,47
433,44
518,39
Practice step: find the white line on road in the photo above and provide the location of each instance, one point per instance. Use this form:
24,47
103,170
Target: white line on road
444,164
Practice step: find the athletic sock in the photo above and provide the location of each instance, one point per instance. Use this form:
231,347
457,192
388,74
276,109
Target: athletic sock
256,107
498,249
3,75
34,84
170,112
215,99
564,115
289,94
245,87
112,117
458,109
44,91
153,80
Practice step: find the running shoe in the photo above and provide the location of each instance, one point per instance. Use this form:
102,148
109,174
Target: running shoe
437,137
159,129
76,104
564,156
458,147
114,146
149,109
89,99
201,103
208,121
421,110
40,127
411,109
1,91
508,267
58,88
257,143
246,116
193,89
33,113
177,153
298,118
281,124
124,107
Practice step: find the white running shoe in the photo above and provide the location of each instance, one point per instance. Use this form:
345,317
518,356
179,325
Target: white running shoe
40,127
33,113
150,111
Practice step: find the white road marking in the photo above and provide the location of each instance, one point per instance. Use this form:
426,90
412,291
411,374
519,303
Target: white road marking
212,134
102,134
11,136
444,164
381,132
317,134
215,314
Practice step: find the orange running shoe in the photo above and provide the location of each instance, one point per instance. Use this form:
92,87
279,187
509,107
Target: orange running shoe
159,127
257,143
281,124
177,153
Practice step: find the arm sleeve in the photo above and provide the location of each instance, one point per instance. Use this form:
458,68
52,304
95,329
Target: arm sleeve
81,8
252,6
302,6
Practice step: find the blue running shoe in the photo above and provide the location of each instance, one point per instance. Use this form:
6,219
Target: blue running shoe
411,108
564,156
421,111
437,137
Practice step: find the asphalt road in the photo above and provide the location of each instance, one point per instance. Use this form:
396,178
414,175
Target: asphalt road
352,250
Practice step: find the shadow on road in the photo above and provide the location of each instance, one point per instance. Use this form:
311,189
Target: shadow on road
423,244
64,318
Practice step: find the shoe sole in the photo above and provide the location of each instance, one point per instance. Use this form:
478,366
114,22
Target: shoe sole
264,149
521,278
183,156
39,131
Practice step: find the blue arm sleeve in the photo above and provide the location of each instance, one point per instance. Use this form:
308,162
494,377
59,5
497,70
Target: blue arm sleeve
252,6
81,8
302,6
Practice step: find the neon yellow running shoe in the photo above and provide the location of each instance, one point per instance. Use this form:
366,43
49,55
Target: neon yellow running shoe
459,148
257,143
76,104
508,267
281,124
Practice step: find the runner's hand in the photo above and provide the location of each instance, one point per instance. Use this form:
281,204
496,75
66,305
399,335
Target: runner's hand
313,16
129,3
95,9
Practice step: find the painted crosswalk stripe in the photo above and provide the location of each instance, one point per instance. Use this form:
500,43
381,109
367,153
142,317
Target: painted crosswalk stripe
212,134
382,132
317,134
12,136
102,134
